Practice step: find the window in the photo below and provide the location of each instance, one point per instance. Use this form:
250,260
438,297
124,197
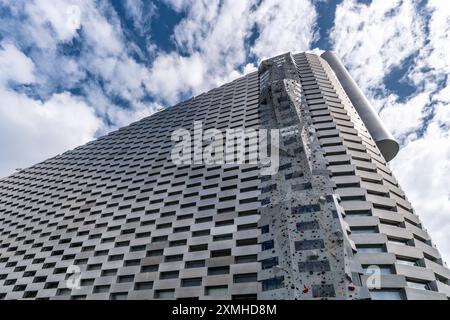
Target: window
165,294
382,269
370,249
195,264
147,285
101,289
407,262
172,258
267,245
272,284
386,294
168,275
269,263
201,233
154,253
212,271
363,230
245,277
192,282
109,272
223,237
119,296
398,241
246,259
130,263
199,247
246,242
417,285
124,279
151,268
220,253
216,291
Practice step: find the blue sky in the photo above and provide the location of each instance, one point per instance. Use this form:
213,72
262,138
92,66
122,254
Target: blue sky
72,70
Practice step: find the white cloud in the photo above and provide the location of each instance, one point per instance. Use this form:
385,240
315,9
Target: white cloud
213,42
14,65
283,26
31,130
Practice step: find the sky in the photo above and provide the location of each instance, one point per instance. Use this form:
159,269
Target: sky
73,70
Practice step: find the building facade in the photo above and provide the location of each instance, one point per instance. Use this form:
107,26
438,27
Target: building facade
118,219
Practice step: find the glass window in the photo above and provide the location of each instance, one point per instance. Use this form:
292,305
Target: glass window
385,294
370,249
192,282
272,284
195,264
165,294
417,285
362,230
269,263
216,291
245,277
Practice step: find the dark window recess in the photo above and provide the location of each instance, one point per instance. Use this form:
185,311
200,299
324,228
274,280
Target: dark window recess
245,277
309,244
301,186
192,282
154,253
246,259
269,188
169,275
175,257
308,225
309,208
195,264
267,245
314,266
147,285
151,268
199,247
324,290
130,263
285,166
244,297
221,253
272,283
269,263
127,278
213,271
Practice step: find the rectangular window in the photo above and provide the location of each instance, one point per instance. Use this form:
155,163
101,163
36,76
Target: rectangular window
216,291
168,275
213,271
192,282
269,263
386,294
272,284
147,285
267,245
245,277
165,294
195,264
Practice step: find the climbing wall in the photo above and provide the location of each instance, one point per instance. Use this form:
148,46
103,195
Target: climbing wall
306,253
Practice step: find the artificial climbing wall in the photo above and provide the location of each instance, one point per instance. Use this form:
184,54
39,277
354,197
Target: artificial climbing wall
306,253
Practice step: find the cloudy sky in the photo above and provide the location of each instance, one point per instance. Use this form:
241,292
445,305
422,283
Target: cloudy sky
72,70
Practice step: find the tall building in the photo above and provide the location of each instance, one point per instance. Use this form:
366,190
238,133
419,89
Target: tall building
117,218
